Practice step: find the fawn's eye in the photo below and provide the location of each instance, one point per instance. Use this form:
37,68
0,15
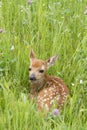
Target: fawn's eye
41,71
29,69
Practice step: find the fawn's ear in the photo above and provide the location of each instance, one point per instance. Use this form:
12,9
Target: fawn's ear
51,61
32,54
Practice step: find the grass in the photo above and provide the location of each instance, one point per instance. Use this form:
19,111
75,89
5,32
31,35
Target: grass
51,27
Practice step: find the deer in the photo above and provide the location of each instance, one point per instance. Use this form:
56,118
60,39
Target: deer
46,89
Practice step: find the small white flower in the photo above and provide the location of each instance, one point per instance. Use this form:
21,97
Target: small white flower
72,84
81,81
0,4
85,12
12,48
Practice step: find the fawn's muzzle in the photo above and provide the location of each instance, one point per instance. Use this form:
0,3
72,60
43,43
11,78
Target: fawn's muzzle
32,77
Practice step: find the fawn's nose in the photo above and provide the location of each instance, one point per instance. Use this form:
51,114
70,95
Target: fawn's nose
32,77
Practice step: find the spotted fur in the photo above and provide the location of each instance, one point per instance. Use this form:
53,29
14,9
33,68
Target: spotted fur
54,91
48,90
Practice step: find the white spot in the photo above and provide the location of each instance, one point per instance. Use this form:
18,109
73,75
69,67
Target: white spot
45,91
12,48
48,99
50,89
51,97
51,101
56,92
60,84
63,98
44,99
44,95
52,94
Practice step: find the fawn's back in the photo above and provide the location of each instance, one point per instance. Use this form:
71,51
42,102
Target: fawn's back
48,90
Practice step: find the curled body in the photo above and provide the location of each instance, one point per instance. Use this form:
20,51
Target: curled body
48,90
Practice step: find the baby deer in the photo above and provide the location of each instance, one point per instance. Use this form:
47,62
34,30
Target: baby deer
47,89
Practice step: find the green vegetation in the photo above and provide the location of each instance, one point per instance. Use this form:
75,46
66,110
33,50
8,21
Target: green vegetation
51,27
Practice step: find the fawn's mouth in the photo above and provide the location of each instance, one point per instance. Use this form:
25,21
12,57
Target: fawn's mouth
35,81
32,78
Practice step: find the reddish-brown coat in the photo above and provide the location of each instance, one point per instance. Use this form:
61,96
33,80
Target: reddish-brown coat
48,90
53,92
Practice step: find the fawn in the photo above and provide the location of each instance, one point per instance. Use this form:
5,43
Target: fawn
47,89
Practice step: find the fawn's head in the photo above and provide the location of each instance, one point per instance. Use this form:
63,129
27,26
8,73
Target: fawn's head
38,67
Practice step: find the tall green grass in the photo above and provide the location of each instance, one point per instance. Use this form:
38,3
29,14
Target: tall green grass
50,27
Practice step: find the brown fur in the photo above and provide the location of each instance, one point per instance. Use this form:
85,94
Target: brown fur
48,90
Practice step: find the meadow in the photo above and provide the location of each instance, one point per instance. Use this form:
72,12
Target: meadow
50,27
